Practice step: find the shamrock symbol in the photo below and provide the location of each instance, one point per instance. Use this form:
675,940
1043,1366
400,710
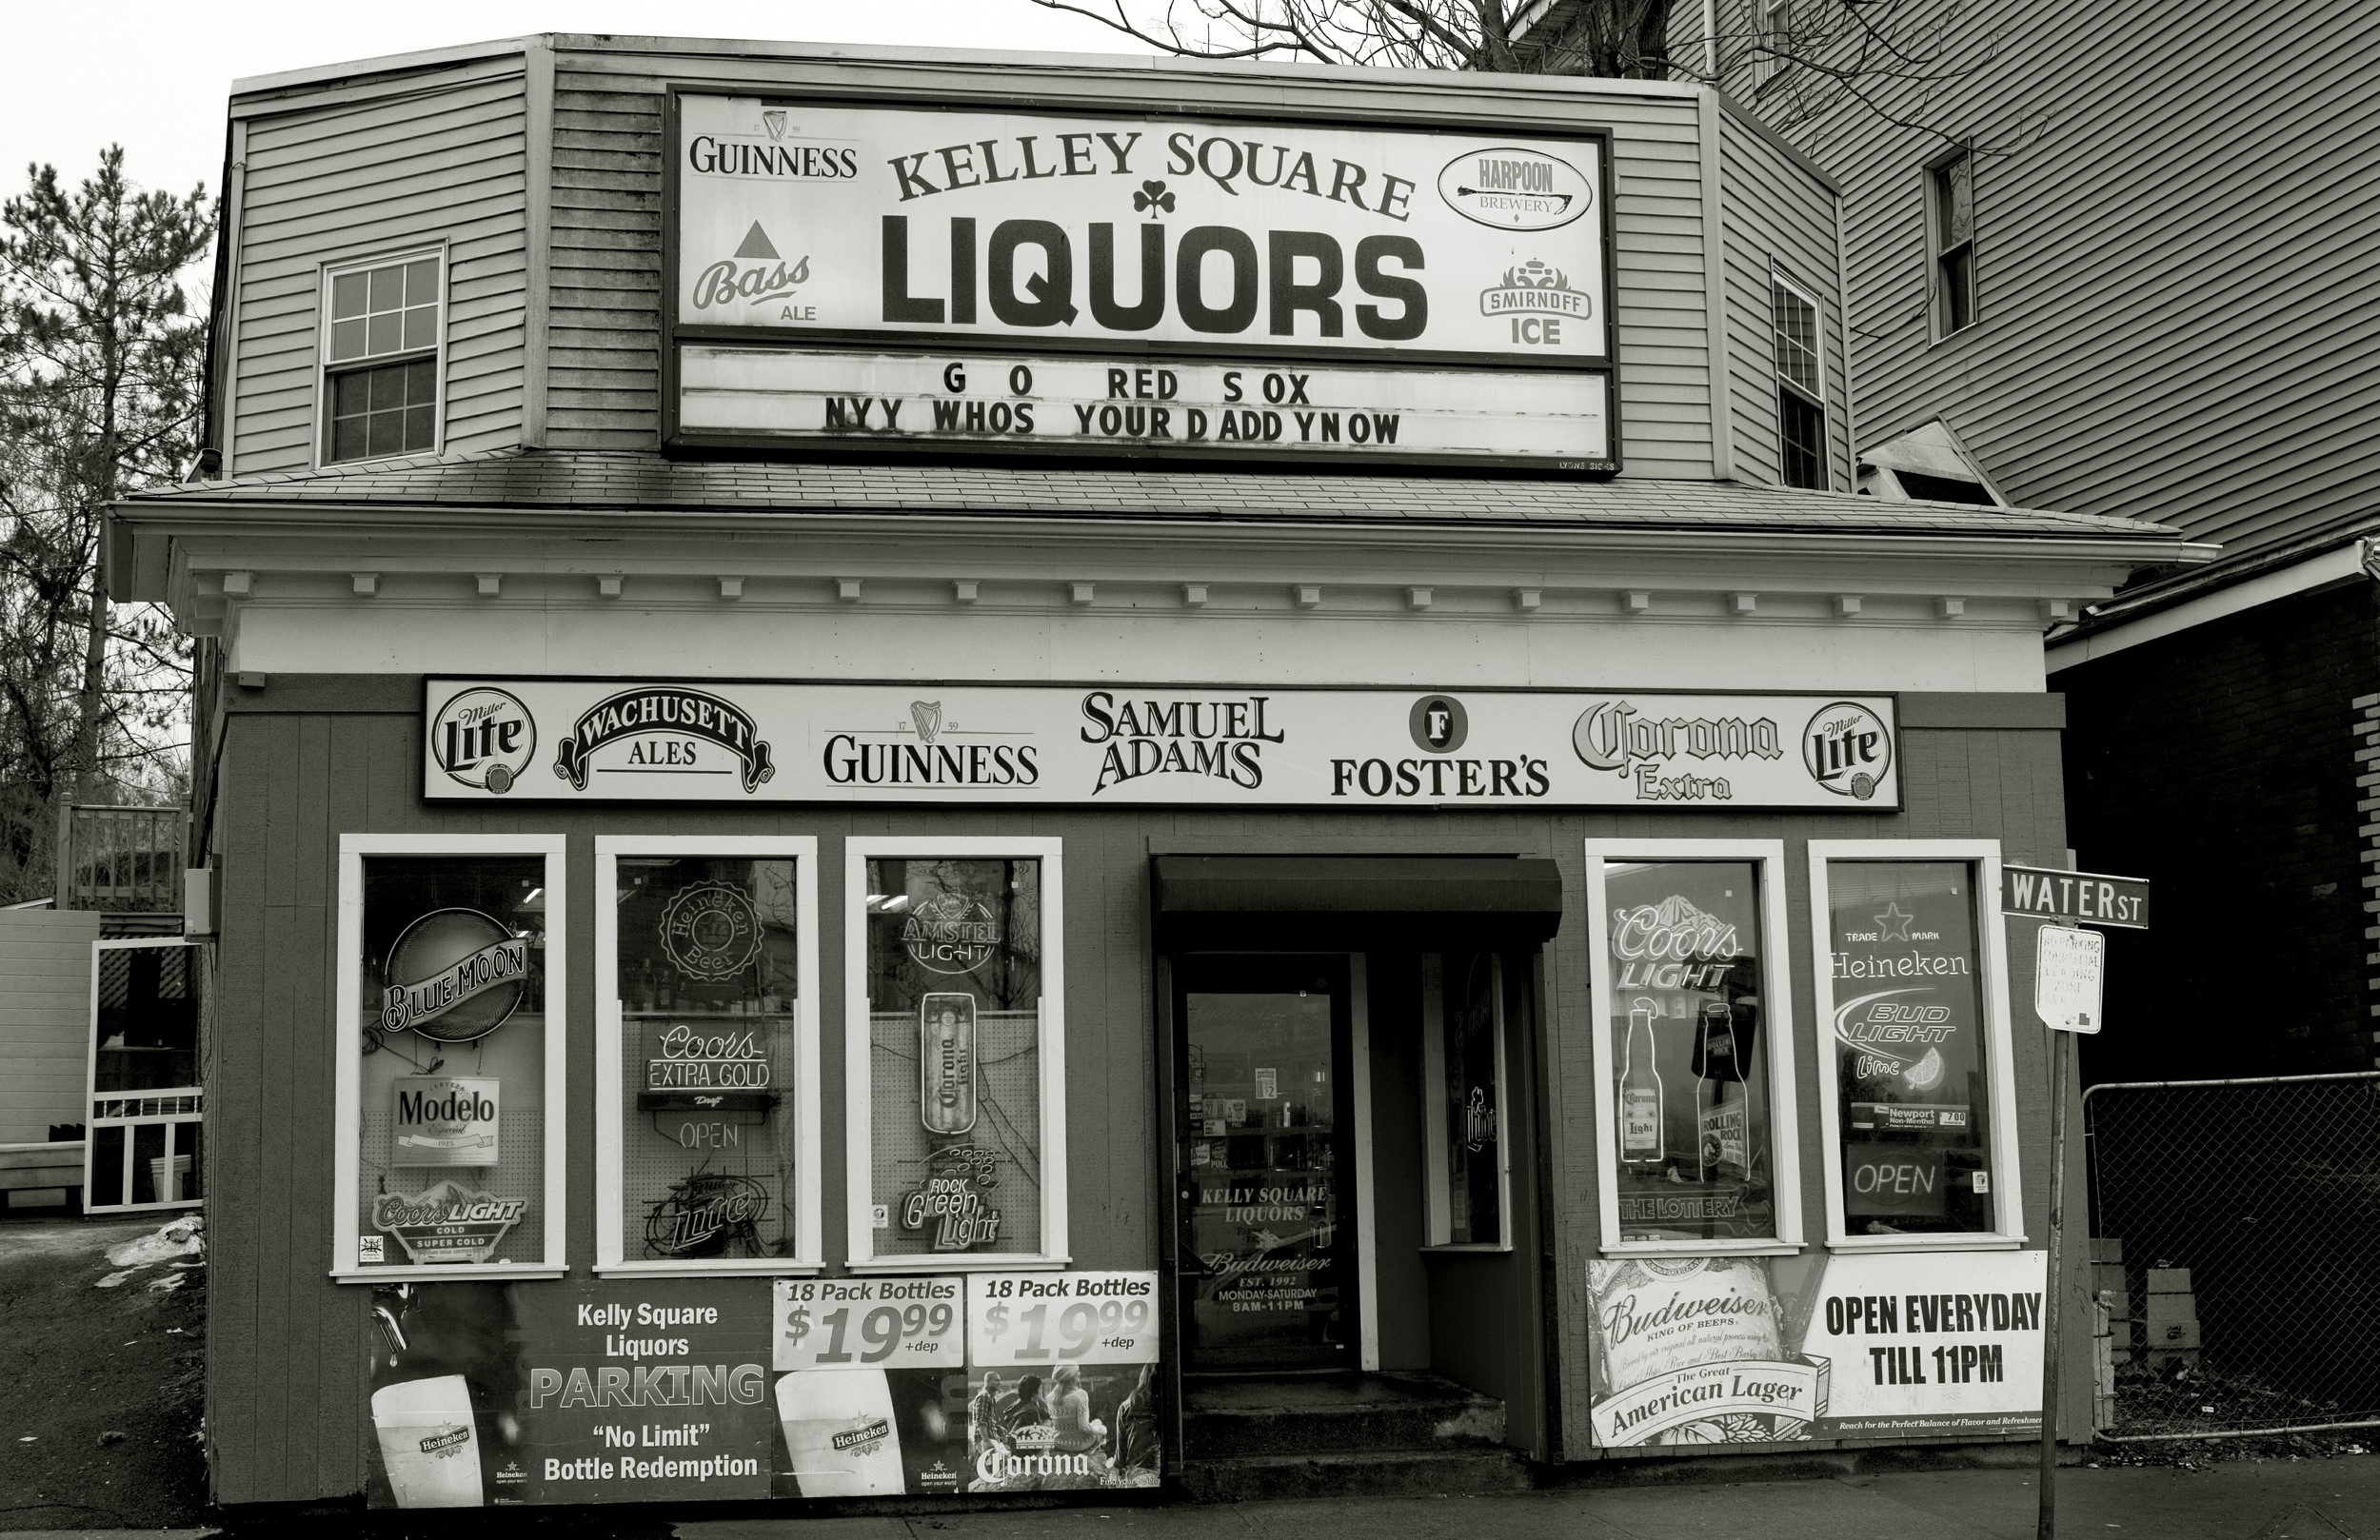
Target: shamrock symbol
1151,198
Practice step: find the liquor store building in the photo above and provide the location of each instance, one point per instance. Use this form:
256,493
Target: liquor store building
943,775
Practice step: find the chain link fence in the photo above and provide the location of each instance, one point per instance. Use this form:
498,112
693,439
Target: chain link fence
2235,1255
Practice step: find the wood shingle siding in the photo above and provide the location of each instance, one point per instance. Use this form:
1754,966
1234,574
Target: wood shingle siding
436,161
2175,228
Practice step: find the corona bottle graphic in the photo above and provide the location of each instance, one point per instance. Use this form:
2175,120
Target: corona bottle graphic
1641,1092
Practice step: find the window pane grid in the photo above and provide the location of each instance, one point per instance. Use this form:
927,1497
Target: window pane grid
1796,329
1802,439
389,410
384,310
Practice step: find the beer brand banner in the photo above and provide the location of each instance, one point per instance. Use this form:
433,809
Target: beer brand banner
1154,745
1137,286
723,1389
1696,1350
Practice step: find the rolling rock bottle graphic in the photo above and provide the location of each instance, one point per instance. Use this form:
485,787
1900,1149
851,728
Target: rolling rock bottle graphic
1722,1051
1640,1107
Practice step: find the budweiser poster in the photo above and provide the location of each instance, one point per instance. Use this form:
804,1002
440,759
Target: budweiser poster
1698,1350
1154,745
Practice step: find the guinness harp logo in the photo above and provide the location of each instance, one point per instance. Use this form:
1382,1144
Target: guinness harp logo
929,716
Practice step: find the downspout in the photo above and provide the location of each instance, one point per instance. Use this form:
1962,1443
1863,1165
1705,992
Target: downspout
1842,309
1711,40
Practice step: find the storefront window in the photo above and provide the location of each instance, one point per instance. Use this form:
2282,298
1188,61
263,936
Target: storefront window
955,1053
1463,1057
1693,1032
708,1101
1917,1035
449,1072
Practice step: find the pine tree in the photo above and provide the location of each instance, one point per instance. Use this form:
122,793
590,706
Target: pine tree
100,355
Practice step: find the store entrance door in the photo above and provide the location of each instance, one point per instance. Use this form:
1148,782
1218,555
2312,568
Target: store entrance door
1267,1163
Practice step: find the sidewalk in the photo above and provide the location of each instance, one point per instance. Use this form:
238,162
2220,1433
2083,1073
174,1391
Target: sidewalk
2337,1499
2266,1500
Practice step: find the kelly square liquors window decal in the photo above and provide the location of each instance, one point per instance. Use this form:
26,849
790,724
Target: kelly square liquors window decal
954,983
451,1051
707,971
1686,954
1914,1103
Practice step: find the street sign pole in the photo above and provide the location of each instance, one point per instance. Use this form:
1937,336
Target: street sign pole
2069,991
2061,1061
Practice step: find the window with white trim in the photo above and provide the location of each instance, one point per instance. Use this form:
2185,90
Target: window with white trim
1950,242
1917,1095
1772,40
1801,358
954,1058
382,323
1694,1034
1468,1191
707,1082
449,1078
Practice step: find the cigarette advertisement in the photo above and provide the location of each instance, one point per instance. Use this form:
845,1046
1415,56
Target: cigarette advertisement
1690,1351
695,1389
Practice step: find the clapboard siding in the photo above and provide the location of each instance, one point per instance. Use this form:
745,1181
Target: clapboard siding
607,278
441,161
1779,218
2172,269
44,1020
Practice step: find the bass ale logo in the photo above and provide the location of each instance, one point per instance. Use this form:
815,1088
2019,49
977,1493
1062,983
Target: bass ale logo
664,729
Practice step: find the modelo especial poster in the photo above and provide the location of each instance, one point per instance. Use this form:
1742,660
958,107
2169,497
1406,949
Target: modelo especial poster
716,1389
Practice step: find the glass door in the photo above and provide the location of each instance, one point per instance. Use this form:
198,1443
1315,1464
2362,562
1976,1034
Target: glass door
1268,1164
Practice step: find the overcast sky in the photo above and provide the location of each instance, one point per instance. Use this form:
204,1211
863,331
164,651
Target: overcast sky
152,74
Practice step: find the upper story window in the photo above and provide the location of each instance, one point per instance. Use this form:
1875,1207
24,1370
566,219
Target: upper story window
1951,196
381,358
1800,385
1772,40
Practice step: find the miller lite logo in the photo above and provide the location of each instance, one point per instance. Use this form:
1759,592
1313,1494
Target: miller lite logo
1847,749
484,739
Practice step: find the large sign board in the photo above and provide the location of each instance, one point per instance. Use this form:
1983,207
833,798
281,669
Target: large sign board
923,278
1784,1349
1153,745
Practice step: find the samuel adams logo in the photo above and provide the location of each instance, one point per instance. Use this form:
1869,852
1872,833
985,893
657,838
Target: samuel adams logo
1847,749
484,739
664,730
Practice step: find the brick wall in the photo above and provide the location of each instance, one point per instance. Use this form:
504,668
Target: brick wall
2222,763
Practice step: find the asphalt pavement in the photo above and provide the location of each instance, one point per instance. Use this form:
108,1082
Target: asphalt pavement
2310,1499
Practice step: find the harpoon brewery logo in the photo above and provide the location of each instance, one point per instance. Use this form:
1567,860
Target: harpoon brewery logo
1509,188
664,729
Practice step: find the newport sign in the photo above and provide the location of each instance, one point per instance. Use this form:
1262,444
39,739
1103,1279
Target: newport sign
909,278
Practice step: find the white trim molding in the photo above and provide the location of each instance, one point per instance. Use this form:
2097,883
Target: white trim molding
2264,589
859,1143
611,1087
1767,857
1982,858
344,1027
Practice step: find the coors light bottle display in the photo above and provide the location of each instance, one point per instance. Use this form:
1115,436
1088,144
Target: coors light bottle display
1683,966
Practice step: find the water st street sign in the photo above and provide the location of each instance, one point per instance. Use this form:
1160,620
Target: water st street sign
2094,898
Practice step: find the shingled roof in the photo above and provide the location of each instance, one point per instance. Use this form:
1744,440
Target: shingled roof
621,481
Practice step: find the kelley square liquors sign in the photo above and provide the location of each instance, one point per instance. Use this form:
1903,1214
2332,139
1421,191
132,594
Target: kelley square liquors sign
1181,745
908,277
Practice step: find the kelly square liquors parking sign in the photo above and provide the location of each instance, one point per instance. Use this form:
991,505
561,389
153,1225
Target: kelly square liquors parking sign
905,277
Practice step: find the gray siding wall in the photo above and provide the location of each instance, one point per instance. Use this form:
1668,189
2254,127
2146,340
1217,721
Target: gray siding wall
44,1020
1781,218
338,174
607,222
286,1395
2175,228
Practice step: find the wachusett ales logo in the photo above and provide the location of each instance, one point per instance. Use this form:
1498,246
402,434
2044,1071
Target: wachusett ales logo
667,725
